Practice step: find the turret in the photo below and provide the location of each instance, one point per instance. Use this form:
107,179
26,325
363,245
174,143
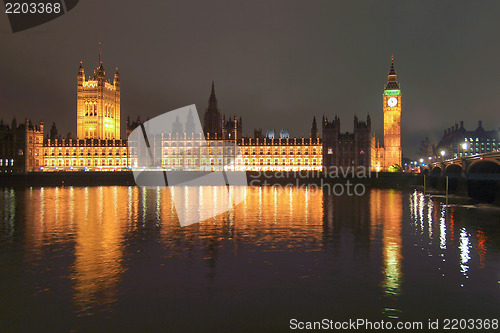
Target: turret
116,80
314,129
100,74
53,131
81,75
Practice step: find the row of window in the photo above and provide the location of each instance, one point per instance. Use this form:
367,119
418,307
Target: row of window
90,162
6,162
479,139
246,161
173,151
86,152
91,110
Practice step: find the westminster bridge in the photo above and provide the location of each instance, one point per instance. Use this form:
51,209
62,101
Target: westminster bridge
478,176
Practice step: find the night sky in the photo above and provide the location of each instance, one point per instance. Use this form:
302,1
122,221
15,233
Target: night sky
275,63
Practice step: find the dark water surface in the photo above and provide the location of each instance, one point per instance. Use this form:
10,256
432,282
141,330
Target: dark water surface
115,258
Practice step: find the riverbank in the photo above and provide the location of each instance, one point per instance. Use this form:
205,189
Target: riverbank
126,178
458,188
480,191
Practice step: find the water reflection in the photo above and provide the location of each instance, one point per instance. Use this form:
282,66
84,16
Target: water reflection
348,248
8,202
88,219
386,214
461,253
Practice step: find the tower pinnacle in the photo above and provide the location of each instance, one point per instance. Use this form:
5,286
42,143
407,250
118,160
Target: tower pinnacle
392,78
100,60
212,101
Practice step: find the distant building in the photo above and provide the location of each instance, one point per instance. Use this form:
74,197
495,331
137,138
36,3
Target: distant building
285,135
273,134
270,134
458,142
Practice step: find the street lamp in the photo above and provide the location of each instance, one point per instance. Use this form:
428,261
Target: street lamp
421,161
465,146
442,154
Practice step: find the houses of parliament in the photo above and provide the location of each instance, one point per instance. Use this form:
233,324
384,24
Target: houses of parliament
99,147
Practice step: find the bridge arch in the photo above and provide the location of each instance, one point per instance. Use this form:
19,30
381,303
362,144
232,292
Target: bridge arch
483,180
436,171
484,166
453,170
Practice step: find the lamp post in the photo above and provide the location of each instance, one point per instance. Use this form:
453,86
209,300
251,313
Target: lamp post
465,146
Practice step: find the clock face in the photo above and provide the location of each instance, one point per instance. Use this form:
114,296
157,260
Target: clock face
392,102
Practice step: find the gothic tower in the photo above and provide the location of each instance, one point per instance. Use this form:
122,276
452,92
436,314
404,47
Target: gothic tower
212,122
314,129
392,120
98,105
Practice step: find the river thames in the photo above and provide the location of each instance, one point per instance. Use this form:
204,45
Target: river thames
115,258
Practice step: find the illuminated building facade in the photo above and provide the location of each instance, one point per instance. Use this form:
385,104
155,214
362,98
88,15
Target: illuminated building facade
98,145
98,105
281,154
246,154
390,154
83,155
224,147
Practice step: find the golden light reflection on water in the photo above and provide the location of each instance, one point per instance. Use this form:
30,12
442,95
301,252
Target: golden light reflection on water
274,215
97,223
98,248
386,215
91,220
95,220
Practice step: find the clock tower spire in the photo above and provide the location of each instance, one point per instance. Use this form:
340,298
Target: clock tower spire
392,119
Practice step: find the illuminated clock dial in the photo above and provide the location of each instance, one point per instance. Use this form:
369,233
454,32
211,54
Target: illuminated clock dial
392,102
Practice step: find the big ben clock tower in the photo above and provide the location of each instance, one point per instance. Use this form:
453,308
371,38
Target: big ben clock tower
392,120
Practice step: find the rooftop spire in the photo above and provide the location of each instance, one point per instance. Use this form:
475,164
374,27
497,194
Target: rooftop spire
392,78
100,53
99,73
212,101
